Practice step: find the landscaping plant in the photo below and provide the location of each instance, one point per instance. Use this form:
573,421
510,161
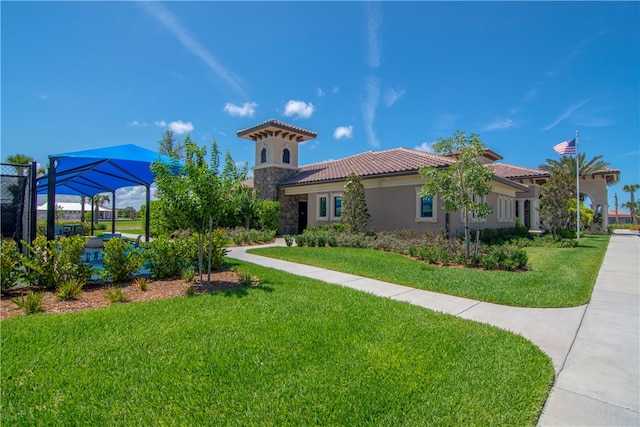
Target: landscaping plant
11,265
115,294
120,261
50,263
31,302
69,290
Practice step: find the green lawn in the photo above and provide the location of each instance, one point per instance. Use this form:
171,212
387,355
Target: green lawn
123,226
559,277
293,351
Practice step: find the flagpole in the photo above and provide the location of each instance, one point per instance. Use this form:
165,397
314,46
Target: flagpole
578,186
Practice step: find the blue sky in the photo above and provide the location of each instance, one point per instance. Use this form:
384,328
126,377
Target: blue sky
363,75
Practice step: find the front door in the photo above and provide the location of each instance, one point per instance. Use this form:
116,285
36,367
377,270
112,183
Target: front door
302,216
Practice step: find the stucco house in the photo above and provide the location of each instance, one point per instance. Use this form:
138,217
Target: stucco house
312,194
72,211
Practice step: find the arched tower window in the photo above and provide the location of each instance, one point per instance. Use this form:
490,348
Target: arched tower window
286,156
263,156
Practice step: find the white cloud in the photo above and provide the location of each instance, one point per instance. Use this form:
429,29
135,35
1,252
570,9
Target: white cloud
131,196
500,124
392,95
172,23
343,132
425,146
136,123
248,109
43,97
160,123
180,127
566,114
319,92
369,106
299,109
335,90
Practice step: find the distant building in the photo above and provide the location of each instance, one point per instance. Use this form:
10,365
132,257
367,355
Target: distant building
620,218
72,211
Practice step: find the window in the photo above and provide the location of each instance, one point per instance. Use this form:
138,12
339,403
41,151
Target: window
322,206
286,156
263,156
426,207
337,206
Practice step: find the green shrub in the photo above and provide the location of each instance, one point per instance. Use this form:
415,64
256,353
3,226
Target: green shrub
11,265
499,236
268,215
120,261
301,240
490,261
31,302
52,262
69,290
167,258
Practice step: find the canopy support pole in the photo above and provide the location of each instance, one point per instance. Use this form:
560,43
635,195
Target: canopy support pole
51,200
147,213
113,213
92,225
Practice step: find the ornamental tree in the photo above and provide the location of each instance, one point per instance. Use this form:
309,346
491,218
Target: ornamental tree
462,185
192,196
556,195
354,205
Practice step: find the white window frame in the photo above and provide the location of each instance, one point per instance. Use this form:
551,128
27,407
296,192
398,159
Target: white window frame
434,202
328,206
333,206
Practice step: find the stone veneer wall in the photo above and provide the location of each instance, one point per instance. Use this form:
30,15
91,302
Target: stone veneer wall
266,182
289,206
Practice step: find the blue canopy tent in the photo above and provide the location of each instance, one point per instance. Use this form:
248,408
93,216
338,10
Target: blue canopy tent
101,170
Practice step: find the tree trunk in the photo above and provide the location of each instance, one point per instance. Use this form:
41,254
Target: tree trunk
210,249
467,238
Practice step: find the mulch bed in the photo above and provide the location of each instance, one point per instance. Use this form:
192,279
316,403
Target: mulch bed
93,293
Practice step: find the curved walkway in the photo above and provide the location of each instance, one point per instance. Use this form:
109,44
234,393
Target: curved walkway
594,348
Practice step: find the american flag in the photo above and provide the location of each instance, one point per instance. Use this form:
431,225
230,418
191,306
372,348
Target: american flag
566,147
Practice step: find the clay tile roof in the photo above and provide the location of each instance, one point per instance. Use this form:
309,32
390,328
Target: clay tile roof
372,163
504,170
273,125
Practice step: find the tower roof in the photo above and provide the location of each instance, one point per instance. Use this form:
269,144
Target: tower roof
275,128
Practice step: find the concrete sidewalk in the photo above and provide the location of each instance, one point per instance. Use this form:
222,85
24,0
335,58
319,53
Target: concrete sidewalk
599,384
555,331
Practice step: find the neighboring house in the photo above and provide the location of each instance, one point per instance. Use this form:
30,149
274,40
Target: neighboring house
620,217
72,211
312,194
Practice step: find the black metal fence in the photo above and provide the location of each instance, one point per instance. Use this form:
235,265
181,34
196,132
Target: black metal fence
18,201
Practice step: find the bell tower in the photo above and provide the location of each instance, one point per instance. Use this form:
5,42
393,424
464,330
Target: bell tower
276,154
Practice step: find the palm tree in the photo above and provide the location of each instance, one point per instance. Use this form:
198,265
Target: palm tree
99,200
567,165
631,189
20,159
